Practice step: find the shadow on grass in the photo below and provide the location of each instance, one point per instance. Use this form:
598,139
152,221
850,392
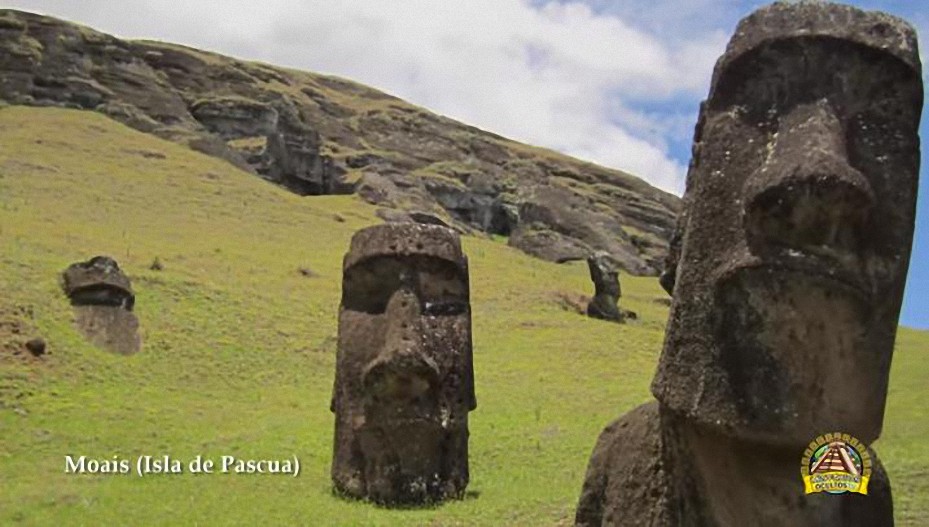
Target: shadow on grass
426,506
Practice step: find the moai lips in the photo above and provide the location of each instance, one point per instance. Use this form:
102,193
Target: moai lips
404,378
800,211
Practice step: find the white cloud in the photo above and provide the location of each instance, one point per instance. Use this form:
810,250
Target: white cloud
545,74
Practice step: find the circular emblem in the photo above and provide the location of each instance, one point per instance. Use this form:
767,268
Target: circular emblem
836,463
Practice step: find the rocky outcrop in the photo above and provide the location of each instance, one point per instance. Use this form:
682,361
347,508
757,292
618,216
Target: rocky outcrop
233,117
558,223
316,134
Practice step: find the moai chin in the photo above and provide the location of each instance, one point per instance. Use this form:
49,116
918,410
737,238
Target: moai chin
404,377
787,274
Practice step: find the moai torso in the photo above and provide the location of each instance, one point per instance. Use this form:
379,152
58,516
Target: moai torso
787,274
404,377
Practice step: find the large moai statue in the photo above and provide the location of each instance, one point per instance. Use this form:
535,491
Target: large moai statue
787,274
404,377
103,301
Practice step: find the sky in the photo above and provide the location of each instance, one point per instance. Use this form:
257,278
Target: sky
616,82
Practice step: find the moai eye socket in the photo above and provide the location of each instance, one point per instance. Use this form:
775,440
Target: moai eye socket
368,286
442,289
446,308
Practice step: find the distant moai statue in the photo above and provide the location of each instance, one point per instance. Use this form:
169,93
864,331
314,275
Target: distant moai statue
404,379
605,302
788,273
103,301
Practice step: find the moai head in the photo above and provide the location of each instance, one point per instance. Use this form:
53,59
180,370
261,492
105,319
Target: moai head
98,282
103,300
794,245
404,378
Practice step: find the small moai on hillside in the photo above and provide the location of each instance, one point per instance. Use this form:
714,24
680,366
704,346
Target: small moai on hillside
605,302
404,380
103,301
788,276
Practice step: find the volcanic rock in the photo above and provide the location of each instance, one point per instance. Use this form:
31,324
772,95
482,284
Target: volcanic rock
316,134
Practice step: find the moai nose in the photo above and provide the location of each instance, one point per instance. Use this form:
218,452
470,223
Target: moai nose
401,372
806,195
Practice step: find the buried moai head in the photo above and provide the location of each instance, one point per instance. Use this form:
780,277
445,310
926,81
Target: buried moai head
404,379
103,301
98,282
793,249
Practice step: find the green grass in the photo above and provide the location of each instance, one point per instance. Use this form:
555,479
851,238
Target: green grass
238,348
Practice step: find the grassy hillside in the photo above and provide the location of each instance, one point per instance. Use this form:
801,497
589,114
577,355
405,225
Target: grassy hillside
238,348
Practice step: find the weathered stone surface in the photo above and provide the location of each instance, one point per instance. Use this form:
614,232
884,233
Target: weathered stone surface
652,467
399,216
800,213
234,117
404,378
605,302
562,223
787,274
98,281
315,134
103,301
620,489
549,245
109,327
